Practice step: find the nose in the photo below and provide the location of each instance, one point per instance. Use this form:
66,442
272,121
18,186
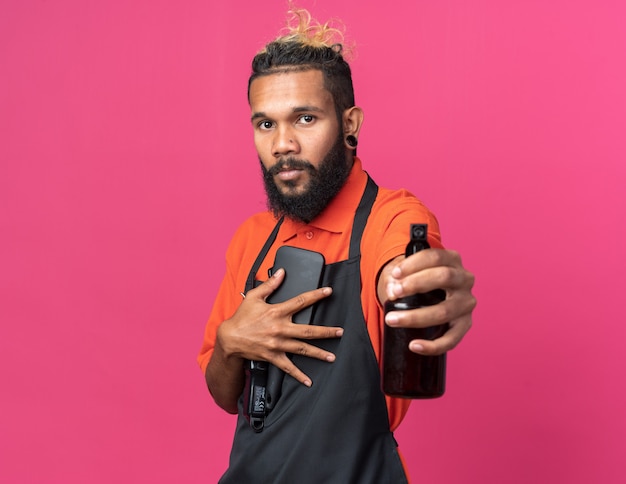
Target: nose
284,143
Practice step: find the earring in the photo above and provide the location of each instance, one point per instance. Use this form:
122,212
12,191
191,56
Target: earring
352,141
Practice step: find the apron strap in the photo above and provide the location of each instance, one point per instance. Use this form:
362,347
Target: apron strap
262,254
362,213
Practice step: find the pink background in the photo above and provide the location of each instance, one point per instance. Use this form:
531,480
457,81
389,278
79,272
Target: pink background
126,162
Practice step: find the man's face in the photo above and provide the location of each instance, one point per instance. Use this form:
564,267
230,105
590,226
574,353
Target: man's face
299,141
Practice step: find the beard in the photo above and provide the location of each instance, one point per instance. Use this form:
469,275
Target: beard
324,184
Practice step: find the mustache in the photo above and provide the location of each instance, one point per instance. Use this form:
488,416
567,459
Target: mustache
291,164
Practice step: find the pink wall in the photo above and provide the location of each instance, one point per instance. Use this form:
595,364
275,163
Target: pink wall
126,161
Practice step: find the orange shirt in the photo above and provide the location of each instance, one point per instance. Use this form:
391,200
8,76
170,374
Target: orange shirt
385,237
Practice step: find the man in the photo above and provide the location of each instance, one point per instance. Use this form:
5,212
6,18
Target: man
332,422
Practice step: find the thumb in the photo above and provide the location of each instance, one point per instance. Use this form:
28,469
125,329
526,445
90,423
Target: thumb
268,287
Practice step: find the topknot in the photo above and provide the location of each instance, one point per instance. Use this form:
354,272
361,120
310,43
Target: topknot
306,44
304,30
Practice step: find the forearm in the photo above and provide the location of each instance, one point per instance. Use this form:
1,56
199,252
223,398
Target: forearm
225,378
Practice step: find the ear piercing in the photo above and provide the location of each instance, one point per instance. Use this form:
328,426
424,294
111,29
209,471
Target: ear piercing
352,141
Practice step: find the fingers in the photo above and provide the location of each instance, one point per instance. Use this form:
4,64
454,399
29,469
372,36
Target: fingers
305,299
286,365
266,331
448,341
312,331
454,307
277,355
269,286
425,259
292,305
423,272
427,270
303,349
292,339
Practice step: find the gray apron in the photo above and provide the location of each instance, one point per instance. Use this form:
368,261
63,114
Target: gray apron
336,431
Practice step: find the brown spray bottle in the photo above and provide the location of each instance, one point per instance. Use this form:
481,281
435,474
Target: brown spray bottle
404,373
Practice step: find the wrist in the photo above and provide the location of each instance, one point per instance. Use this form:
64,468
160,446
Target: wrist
222,342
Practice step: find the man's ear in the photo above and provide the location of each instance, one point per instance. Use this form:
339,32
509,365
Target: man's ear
352,120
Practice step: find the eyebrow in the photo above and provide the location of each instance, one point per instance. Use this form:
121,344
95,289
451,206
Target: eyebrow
298,109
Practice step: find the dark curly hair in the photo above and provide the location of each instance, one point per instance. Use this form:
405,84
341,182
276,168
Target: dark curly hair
308,45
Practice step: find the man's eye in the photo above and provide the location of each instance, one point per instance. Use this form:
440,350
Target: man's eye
265,125
307,118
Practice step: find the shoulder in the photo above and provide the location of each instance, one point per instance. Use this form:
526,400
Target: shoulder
394,207
388,196
388,227
254,223
250,235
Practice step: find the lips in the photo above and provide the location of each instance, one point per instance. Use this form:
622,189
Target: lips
290,164
288,174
